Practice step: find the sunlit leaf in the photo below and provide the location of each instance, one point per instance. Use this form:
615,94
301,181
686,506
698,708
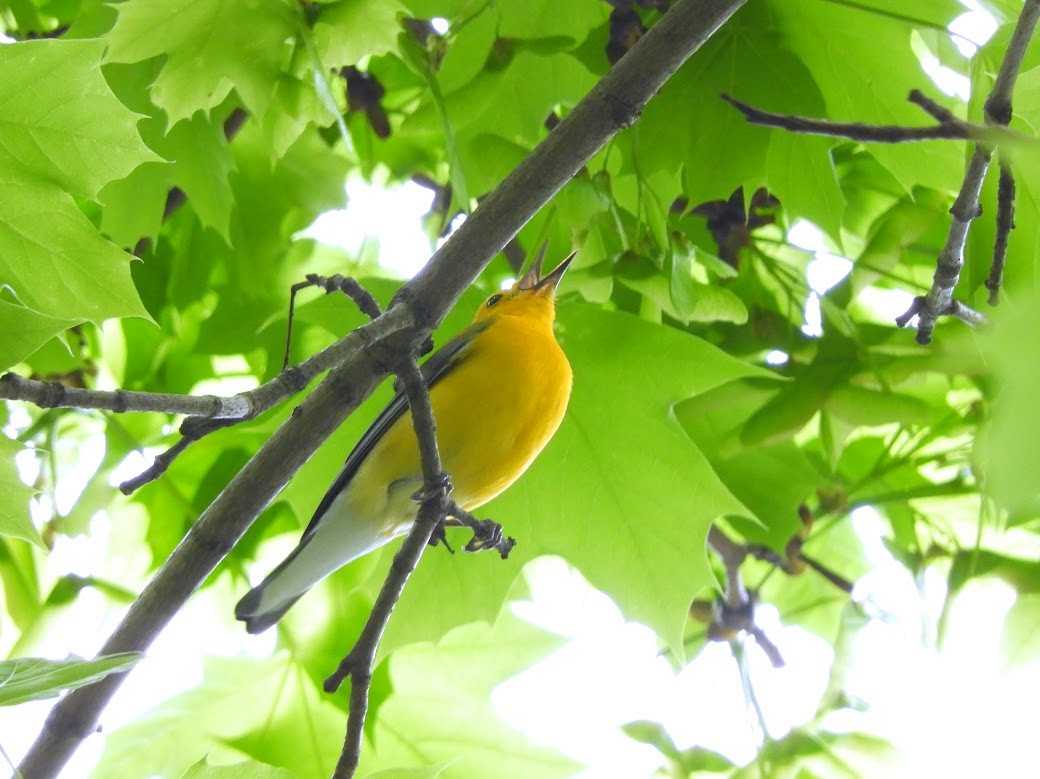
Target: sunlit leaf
14,497
430,719
33,678
212,47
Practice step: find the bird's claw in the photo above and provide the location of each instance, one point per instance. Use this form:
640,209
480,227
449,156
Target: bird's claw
488,535
439,536
436,488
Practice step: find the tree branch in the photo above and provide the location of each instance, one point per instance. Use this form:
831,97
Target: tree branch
939,300
434,495
997,108
54,394
1005,224
949,127
734,612
419,306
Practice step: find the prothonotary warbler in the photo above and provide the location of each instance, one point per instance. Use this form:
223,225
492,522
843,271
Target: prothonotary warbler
499,390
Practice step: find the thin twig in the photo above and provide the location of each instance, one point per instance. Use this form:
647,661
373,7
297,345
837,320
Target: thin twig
949,128
767,646
732,555
206,413
53,394
997,108
954,308
734,612
836,579
159,466
292,380
361,359
359,662
938,112
1005,224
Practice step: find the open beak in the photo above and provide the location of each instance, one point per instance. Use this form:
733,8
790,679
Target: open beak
552,279
534,273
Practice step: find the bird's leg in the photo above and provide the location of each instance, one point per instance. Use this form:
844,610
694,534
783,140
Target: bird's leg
443,486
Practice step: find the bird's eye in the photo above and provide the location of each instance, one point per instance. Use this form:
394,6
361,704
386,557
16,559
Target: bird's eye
493,299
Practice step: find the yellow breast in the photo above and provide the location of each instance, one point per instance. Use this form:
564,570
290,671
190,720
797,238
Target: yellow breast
495,412
500,407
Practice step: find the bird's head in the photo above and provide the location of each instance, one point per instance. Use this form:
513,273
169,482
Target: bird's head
532,296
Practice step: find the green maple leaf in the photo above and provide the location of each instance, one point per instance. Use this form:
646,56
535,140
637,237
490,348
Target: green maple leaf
211,46
546,19
864,67
34,678
348,30
433,719
249,769
265,709
62,131
202,168
60,122
25,331
56,262
800,173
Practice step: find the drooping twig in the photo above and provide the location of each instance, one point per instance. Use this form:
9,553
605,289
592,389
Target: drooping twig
358,663
360,360
1005,224
345,284
939,300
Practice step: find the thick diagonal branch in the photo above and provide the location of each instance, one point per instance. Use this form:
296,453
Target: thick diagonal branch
364,358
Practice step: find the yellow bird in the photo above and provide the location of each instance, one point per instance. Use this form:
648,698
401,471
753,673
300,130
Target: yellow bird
499,390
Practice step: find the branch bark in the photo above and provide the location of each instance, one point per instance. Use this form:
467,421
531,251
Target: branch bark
54,394
614,103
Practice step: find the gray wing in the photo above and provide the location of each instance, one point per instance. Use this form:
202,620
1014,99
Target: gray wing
434,369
